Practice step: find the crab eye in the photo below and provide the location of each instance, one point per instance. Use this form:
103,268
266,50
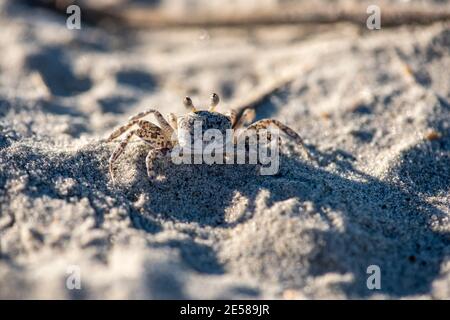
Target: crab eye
214,101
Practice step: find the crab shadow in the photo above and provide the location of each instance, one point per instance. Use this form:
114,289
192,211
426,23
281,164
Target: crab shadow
385,225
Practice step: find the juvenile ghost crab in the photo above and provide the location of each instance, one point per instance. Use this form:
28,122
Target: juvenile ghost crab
166,136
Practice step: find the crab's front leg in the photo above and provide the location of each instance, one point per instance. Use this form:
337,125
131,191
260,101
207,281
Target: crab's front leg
172,118
118,151
166,128
159,142
245,119
121,130
152,155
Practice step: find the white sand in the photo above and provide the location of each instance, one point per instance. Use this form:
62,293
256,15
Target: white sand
363,101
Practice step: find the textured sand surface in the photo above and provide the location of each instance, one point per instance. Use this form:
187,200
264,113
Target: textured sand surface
372,107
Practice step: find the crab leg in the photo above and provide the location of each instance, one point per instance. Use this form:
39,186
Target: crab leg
173,121
232,114
118,151
149,160
120,130
247,117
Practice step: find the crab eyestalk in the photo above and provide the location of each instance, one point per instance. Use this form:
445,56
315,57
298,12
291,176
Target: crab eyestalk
188,104
214,101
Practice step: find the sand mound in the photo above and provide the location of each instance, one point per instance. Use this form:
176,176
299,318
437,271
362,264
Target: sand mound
373,107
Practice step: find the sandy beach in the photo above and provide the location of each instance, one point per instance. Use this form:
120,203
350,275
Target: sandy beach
373,107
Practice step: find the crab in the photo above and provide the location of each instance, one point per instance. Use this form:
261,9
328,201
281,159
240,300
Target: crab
166,135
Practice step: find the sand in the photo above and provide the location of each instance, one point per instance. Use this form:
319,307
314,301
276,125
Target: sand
372,106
